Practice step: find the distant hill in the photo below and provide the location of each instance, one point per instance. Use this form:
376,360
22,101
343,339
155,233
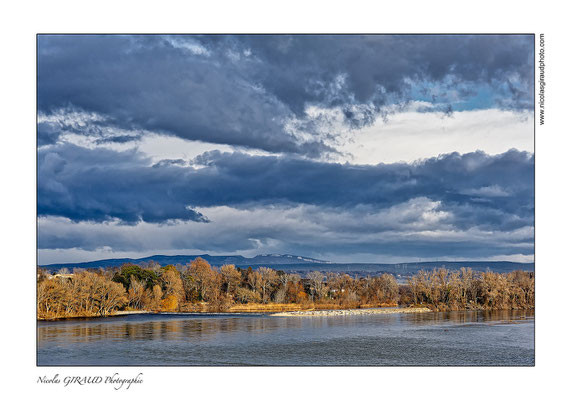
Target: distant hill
299,264
263,259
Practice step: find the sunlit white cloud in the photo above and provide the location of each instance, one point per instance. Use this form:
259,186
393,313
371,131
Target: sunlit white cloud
411,135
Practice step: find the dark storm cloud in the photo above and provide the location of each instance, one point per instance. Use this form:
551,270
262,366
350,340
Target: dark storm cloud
448,178
493,192
48,133
241,90
99,185
147,83
301,67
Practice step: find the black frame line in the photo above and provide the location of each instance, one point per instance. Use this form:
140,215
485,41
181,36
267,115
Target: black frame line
279,34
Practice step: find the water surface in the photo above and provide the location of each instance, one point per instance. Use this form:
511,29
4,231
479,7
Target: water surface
446,338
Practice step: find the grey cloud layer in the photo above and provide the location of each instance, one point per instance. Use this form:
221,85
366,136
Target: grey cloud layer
243,90
421,232
100,184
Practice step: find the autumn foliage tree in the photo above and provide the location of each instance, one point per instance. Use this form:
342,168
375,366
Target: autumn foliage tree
172,284
86,294
231,279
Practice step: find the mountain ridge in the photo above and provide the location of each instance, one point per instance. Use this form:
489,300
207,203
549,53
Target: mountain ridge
239,260
299,263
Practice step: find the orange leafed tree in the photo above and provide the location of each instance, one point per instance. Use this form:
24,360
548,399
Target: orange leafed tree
170,303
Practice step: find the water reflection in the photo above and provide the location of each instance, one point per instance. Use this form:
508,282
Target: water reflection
445,338
465,317
169,328
135,328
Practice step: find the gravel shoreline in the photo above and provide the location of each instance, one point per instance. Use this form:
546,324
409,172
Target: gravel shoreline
119,313
331,313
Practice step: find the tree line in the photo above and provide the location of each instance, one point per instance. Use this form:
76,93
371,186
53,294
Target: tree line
199,286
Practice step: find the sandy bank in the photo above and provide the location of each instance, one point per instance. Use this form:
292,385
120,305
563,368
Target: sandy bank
117,313
361,311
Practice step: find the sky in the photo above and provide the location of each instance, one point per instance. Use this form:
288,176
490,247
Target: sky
359,148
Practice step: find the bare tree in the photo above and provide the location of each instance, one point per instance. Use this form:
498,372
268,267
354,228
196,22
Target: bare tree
268,279
136,293
316,284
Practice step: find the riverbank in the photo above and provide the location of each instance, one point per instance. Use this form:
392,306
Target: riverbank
357,311
119,313
277,310
285,307
83,316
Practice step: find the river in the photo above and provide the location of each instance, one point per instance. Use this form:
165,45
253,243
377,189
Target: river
440,338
